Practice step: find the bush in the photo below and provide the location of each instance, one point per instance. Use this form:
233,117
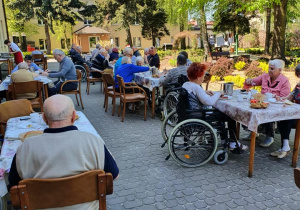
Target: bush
237,80
254,70
240,65
254,50
222,68
264,66
173,62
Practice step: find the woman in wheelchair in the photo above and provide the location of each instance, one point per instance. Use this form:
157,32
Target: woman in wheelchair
200,99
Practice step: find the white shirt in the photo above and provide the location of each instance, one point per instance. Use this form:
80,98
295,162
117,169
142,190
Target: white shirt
15,48
198,91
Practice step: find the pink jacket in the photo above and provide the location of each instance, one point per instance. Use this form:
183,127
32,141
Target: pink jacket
281,86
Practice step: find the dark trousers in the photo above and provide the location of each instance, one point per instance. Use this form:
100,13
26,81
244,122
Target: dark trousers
67,87
222,118
285,128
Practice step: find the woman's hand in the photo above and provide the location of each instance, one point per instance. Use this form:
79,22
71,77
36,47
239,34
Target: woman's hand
248,81
278,98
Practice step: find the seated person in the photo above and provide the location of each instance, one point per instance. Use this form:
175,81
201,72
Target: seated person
199,98
66,72
140,61
62,150
271,82
173,74
32,66
36,52
100,62
95,51
126,70
114,56
77,58
2,93
153,57
23,75
285,126
188,61
126,52
73,50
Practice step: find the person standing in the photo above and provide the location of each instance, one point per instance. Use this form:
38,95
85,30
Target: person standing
14,49
66,72
153,58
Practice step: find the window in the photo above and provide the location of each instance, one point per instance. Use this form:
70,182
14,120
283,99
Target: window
42,44
117,42
137,41
157,42
68,42
40,22
87,22
16,39
63,44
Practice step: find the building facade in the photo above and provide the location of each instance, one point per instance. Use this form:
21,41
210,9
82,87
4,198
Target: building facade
3,28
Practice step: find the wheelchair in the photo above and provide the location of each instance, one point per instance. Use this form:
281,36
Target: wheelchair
79,67
193,140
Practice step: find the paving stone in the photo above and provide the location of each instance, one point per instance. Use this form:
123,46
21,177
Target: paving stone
132,204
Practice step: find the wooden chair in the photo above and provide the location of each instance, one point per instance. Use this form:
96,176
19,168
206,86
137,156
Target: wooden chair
42,58
28,87
109,91
297,177
90,79
131,97
14,108
77,91
89,186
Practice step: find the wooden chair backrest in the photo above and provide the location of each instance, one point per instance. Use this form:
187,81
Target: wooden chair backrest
109,78
79,75
297,177
38,56
14,108
121,84
59,192
87,69
26,87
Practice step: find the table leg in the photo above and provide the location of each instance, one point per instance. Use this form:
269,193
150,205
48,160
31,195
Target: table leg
46,91
238,130
296,145
252,151
153,103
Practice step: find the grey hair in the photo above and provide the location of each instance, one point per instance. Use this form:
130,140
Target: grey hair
23,65
278,63
146,50
98,46
58,52
127,51
126,59
139,59
102,50
78,47
60,109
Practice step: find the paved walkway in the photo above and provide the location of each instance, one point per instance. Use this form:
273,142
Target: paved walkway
147,181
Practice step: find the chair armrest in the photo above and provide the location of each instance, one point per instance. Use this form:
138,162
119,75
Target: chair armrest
15,199
135,87
65,82
96,71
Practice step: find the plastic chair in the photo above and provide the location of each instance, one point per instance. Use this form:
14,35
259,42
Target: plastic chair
14,108
42,58
90,79
60,192
77,91
130,97
28,87
109,91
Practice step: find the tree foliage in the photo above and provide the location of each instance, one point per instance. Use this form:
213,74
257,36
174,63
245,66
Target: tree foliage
48,11
153,21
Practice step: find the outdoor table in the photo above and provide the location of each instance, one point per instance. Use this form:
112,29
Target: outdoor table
252,118
45,80
15,127
9,64
146,80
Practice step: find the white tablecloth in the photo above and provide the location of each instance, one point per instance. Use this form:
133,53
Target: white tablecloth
146,80
15,127
252,118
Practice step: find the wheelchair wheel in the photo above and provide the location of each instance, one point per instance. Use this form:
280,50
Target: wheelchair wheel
83,72
192,143
221,157
168,124
170,102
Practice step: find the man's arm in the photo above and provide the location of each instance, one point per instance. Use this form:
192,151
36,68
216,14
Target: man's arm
36,67
110,164
64,70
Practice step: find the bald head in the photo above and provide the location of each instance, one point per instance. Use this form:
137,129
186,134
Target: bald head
58,108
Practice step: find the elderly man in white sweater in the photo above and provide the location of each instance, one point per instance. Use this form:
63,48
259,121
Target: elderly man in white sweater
61,150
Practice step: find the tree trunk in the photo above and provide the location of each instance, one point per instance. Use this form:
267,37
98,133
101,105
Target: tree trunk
153,38
204,32
182,41
128,39
278,49
48,40
268,33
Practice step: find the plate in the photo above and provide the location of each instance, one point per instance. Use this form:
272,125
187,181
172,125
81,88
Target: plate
243,92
